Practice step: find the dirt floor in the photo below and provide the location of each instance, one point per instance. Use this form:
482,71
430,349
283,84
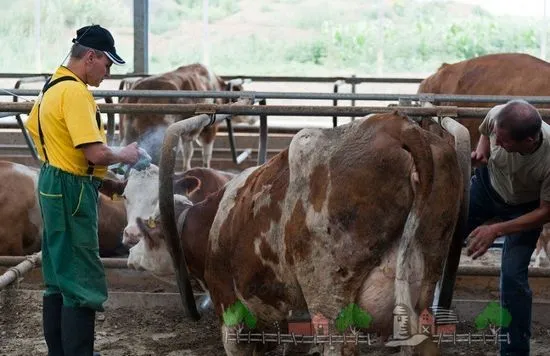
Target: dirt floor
164,331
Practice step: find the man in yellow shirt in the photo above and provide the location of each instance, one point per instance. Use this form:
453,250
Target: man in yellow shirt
67,130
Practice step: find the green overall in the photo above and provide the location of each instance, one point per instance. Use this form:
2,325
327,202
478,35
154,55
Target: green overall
70,250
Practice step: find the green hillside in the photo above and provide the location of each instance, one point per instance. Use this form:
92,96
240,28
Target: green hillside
290,37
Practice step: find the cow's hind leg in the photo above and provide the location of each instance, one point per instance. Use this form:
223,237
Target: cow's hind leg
187,153
206,141
207,153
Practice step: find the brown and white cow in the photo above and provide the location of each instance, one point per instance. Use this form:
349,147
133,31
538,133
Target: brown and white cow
21,222
148,129
495,74
140,193
362,213
21,230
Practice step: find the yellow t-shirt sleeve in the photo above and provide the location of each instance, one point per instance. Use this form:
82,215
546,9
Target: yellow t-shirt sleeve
80,117
32,123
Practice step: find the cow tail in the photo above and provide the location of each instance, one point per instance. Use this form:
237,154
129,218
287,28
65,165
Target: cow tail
410,263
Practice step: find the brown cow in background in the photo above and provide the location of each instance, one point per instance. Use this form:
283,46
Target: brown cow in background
495,74
21,227
148,129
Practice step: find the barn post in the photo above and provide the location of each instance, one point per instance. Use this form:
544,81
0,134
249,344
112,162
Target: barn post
141,36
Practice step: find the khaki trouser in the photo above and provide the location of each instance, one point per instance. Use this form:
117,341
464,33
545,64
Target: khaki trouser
70,252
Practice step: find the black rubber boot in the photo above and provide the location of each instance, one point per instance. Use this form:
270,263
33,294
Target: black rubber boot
78,326
51,323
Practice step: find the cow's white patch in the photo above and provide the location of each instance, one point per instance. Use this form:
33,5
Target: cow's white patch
409,268
169,119
35,216
226,204
207,148
141,198
157,261
261,199
25,171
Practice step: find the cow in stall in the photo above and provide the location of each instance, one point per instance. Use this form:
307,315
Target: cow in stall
148,129
140,193
514,74
363,213
21,232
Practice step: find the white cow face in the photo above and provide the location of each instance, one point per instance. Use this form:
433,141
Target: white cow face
140,198
151,252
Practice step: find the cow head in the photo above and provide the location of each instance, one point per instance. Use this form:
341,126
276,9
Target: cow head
140,199
151,252
236,85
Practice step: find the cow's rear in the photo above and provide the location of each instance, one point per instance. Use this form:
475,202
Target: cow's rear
352,215
362,213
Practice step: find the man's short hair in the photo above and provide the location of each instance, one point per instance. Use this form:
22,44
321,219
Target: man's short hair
78,51
520,119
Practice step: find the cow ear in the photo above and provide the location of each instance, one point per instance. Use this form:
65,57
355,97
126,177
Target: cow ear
186,185
111,187
151,231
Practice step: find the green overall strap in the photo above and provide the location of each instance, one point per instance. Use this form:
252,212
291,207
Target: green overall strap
46,87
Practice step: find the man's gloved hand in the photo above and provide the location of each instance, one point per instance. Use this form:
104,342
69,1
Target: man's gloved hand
144,160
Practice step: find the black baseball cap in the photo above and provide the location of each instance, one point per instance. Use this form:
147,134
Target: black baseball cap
98,38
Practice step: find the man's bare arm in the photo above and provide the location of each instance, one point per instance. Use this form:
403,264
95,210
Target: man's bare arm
100,154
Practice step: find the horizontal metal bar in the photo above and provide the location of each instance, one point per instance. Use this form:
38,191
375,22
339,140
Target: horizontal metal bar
9,261
495,271
348,80
296,95
7,114
485,271
257,78
276,110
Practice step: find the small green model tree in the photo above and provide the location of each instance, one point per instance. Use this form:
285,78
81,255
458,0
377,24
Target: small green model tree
352,317
238,316
493,317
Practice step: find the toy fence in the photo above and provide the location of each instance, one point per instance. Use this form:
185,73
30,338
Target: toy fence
360,338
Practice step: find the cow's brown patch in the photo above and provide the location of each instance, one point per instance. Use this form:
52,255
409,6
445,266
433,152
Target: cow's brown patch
242,227
267,252
318,184
489,75
297,236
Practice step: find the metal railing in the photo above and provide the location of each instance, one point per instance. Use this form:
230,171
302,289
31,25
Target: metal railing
425,97
278,110
259,78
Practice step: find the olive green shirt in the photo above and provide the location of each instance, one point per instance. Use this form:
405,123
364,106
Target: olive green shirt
515,177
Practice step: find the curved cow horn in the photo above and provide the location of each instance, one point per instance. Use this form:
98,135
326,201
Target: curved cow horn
167,216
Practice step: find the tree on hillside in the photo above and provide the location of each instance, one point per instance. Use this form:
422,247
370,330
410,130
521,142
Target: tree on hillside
494,317
352,317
